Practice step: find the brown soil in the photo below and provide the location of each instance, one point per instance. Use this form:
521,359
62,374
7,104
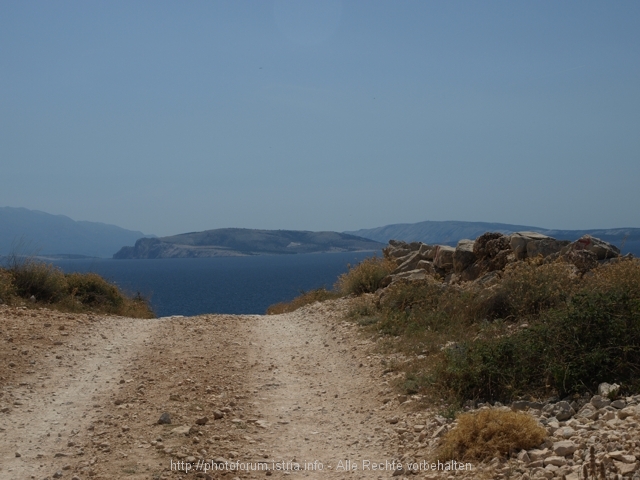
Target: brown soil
302,394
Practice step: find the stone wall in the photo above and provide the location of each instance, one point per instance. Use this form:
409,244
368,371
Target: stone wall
479,260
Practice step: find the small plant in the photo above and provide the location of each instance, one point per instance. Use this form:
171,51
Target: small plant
490,433
366,277
593,470
363,311
414,382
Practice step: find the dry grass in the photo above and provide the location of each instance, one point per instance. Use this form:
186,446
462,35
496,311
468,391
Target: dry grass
490,433
622,277
7,289
540,330
364,277
44,284
306,298
529,288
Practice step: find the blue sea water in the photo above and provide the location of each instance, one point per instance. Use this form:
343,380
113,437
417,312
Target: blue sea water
241,285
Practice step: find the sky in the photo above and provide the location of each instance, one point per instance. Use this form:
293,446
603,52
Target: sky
171,117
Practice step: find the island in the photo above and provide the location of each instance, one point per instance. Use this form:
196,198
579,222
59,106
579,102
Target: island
244,241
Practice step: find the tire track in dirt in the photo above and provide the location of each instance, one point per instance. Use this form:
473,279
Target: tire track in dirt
268,391
46,409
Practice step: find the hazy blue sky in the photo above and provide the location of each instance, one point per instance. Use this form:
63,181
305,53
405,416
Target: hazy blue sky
169,117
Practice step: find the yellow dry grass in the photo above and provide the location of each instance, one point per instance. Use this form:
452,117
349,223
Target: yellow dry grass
490,433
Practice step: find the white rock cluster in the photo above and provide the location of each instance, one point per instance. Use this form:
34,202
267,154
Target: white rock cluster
608,428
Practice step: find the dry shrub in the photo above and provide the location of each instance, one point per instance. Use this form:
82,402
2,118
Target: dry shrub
529,288
91,291
136,307
75,292
45,282
7,289
490,433
366,277
620,277
306,298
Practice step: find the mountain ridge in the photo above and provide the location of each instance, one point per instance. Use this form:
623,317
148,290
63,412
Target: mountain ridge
30,232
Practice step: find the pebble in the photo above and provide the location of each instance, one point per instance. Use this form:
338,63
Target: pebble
165,419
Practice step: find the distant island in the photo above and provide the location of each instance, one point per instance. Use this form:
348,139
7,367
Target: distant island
243,241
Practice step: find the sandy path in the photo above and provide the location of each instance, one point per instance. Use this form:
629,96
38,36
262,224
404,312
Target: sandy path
301,394
315,395
50,406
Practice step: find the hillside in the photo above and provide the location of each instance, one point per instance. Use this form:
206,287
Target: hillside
241,241
450,232
45,234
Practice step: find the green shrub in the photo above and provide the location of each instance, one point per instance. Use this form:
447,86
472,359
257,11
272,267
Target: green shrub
571,350
366,277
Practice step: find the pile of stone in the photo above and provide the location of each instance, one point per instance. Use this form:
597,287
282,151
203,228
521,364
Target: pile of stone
480,259
583,432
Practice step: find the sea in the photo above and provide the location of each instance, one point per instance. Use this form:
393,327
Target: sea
235,285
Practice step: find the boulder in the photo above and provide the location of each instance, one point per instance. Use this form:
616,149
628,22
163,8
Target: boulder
427,266
481,245
398,249
599,401
409,262
564,448
561,410
588,411
463,256
545,247
444,257
608,389
497,245
393,253
520,240
470,273
417,274
600,248
412,261
428,252
583,260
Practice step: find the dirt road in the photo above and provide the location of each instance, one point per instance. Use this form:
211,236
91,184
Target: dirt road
300,394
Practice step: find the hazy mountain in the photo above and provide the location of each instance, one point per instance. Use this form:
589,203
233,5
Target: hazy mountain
242,241
35,232
448,233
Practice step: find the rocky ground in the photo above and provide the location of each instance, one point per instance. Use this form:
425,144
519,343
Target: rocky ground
303,394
